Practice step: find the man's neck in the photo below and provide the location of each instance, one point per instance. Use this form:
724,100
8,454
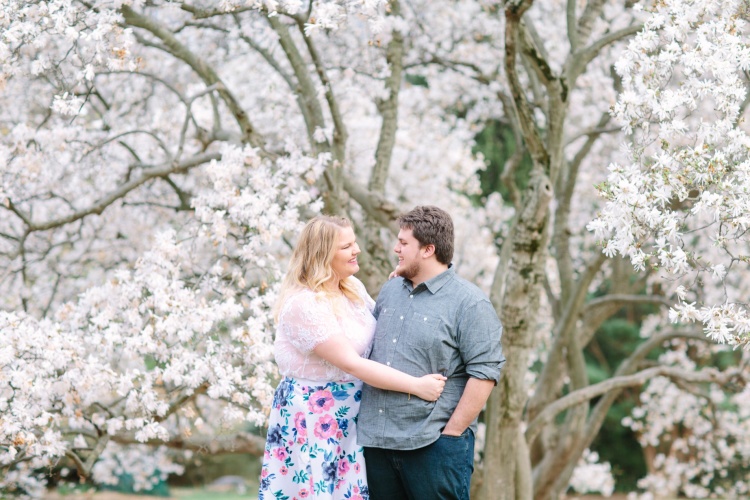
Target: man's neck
427,273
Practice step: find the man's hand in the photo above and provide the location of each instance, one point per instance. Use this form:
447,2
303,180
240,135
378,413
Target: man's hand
471,403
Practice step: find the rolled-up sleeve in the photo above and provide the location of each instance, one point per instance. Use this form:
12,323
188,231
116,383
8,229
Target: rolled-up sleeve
479,334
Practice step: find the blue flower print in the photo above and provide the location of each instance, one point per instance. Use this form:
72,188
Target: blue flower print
275,436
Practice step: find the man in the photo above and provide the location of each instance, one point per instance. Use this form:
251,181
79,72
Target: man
429,321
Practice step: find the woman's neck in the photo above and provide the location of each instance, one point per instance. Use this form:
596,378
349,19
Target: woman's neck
333,286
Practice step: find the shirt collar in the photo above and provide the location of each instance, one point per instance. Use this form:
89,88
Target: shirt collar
435,283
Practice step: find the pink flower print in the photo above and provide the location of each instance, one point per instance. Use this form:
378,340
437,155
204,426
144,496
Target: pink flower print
320,401
343,467
357,468
264,472
326,427
280,453
283,470
300,424
303,493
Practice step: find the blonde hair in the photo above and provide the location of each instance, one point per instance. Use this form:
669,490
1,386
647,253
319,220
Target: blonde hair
310,265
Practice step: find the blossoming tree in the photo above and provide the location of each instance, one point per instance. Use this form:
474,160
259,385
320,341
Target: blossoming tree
158,158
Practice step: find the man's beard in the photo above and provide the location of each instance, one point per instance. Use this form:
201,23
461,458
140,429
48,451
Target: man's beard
409,272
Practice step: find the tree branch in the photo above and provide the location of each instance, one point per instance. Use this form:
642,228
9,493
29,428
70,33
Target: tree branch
591,12
628,366
199,13
241,442
340,134
582,395
389,107
627,299
103,203
570,14
513,13
305,89
201,67
374,204
581,58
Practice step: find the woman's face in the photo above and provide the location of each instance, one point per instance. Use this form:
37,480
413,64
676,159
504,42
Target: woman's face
344,262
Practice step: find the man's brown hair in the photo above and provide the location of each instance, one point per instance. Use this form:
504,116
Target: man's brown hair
431,225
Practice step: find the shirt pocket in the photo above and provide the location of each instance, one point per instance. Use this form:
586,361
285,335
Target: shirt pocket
383,324
423,330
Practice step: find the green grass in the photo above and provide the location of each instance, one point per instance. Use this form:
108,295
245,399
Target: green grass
201,494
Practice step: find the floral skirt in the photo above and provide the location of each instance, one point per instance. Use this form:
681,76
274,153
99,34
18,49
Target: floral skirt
311,449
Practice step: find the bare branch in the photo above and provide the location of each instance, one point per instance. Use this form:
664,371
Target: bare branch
389,107
307,96
199,13
374,204
340,134
570,14
582,395
628,299
103,203
581,58
182,401
525,116
591,12
241,442
201,67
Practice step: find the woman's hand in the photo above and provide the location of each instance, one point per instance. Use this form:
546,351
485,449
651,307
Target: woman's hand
395,272
430,387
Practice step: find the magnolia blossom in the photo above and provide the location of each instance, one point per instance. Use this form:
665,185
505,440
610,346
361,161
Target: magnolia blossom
158,159
122,360
686,179
700,439
143,237
593,477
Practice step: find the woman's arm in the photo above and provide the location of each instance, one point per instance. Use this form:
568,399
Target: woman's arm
338,351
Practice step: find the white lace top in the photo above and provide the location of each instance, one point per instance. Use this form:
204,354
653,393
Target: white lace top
308,319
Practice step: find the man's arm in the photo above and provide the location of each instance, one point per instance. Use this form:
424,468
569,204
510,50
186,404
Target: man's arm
471,403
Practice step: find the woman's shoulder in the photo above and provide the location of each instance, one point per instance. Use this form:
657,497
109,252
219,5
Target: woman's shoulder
304,299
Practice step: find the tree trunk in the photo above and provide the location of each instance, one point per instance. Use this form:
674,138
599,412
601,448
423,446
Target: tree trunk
519,287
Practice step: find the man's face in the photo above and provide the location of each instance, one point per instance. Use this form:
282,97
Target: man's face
408,251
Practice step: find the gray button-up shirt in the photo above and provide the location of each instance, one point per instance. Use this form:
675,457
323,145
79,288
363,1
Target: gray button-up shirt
444,325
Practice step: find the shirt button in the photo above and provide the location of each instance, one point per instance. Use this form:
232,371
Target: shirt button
380,410
411,296
425,318
401,317
394,341
388,363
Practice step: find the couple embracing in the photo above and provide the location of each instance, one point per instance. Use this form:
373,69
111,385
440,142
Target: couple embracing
395,384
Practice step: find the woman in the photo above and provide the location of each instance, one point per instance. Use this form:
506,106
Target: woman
324,332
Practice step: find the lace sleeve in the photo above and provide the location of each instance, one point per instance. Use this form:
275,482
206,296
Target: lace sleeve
307,321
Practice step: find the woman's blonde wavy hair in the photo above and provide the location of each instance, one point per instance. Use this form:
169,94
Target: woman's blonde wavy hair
310,265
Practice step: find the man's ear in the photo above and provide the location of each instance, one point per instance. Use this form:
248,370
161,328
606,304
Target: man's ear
428,251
